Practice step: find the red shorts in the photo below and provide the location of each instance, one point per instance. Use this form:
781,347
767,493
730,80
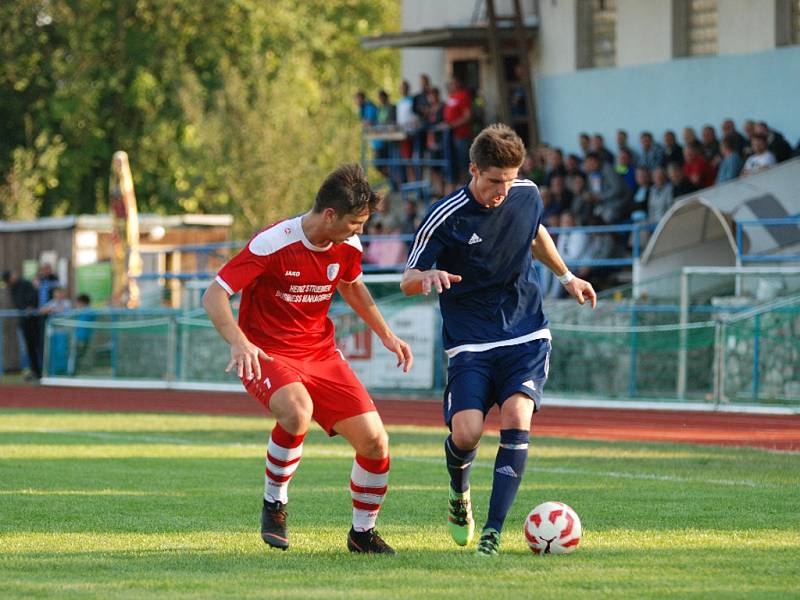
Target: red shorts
335,391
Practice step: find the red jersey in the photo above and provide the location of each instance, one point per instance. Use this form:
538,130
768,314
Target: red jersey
287,285
456,106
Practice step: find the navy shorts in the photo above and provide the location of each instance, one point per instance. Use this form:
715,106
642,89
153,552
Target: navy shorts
480,380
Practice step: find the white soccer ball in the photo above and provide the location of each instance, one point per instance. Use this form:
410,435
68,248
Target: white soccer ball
553,528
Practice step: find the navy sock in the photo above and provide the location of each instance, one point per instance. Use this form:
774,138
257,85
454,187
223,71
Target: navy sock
508,469
459,464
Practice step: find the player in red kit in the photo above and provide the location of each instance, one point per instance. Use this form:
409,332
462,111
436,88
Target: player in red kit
283,347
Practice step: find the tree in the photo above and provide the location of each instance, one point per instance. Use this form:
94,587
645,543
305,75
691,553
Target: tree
224,105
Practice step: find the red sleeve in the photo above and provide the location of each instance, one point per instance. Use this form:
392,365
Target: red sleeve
242,269
351,269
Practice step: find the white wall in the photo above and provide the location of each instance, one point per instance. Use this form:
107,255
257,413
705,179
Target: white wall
671,95
556,37
745,26
417,61
430,14
644,31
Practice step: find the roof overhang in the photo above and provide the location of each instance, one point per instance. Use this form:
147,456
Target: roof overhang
447,37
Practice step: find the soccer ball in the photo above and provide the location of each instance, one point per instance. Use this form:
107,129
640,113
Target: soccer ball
552,528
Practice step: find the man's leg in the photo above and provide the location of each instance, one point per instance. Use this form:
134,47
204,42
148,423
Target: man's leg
292,408
460,449
509,466
369,479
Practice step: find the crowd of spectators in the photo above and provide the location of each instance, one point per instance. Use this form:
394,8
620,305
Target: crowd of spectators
598,185
37,299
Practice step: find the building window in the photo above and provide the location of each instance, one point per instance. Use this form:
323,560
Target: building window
787,22
604,33
702,25
597,33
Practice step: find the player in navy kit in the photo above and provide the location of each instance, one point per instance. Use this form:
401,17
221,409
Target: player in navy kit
475,248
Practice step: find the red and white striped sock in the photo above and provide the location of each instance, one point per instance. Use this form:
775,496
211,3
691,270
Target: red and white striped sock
368,482
283,457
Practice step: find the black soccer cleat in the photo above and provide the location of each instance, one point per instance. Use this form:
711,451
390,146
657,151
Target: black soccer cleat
367,542
273,525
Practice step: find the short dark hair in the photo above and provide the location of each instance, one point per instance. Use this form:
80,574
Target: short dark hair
84,299
347,191
497,146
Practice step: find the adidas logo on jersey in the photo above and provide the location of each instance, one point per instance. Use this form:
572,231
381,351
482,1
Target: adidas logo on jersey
474,239
507,470
530,384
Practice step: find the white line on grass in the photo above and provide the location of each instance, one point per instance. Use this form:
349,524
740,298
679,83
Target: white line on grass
421,459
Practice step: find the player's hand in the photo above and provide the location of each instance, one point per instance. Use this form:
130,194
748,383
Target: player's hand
401,349
437,280
581,290
244,356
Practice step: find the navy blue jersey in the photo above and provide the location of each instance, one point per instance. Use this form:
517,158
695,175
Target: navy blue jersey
497,302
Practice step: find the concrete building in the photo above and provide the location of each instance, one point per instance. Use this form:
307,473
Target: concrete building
600,65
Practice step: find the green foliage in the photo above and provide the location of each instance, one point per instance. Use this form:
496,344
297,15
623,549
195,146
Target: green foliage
167,506
223,106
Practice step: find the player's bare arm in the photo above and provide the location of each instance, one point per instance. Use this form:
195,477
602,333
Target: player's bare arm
544,250
360,300
416,282
244,354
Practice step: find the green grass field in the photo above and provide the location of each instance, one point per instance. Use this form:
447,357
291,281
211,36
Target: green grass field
167,506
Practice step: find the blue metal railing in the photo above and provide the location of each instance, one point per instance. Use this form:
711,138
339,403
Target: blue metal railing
632,228
771,258
392,136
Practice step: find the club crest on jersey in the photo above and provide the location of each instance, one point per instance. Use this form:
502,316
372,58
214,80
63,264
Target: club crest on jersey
333,271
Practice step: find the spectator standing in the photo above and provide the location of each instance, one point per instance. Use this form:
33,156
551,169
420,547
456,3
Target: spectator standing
732,162
367,111
458,115
652,152
689,136
622,144
571,245
25,298
625,168
46,281
410,218
562,196
696,167
761,158
386,116
641,197
421,101
710,146
749,128
599,147
573,167
660,196
532,168
585,143
59,303
673,151
434,137
582,200
409,123
421,105
737,141
552,211
609,192
83,335
776,143
680,183
555,165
